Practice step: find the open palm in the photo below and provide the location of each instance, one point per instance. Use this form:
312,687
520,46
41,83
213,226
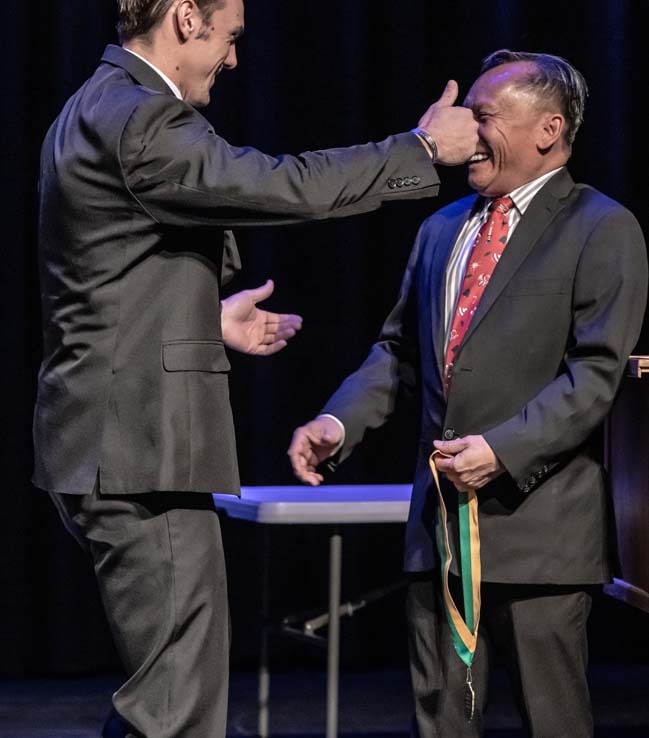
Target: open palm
249,329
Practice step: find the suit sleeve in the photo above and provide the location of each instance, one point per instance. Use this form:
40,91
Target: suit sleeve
609,298
182,173
366,399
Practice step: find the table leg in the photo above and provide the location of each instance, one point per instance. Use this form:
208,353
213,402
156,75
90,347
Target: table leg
263,683
333,639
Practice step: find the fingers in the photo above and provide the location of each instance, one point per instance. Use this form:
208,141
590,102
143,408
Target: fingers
303,459
453,127
443,464
262,293
289,323
312,444
279,322
278,330
269,349
449,96
451,447
278,334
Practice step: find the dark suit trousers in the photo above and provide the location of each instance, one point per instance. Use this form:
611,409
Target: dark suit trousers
159,562
538,632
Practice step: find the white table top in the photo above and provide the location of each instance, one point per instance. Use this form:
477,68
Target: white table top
375,503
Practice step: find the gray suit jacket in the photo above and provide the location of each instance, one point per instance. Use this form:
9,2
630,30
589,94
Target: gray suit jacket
136,191
536,374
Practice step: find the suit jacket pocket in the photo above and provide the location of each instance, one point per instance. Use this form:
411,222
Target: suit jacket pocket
194,356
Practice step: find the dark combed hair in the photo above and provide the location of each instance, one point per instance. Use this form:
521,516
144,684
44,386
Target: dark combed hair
551,78
139,17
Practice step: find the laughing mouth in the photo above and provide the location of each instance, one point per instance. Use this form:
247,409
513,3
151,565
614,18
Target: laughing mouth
478,157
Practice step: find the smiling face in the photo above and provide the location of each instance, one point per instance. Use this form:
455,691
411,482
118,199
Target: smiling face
519,140
209,49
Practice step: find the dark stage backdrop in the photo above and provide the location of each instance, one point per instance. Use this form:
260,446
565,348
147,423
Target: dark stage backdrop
312,74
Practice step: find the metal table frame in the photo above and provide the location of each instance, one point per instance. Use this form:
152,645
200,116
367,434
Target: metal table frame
335,506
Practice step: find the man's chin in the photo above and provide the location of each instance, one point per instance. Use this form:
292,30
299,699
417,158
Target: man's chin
478,184
200,102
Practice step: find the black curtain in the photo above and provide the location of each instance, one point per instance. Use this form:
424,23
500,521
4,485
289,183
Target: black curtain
312,75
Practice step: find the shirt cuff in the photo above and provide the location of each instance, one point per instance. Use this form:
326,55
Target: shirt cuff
342,428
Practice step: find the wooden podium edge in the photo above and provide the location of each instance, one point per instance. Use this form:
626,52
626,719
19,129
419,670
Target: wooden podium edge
637,366
628,593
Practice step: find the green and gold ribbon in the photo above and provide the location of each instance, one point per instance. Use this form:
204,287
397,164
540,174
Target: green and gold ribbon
464,630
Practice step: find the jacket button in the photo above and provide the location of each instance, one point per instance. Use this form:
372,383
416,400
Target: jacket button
392,184
399,182
415,180
407,181
449,434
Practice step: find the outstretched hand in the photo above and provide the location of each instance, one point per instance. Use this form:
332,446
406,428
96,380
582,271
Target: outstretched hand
249,329
453,127
312,444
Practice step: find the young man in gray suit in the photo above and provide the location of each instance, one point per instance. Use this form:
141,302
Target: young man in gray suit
132,426
517,312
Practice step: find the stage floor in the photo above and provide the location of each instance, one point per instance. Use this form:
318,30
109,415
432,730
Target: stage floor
373,704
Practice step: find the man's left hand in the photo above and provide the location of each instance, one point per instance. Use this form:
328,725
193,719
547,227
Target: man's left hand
250,330
472,464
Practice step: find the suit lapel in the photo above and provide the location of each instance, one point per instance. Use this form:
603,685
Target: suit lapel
141,72
446,239
538,216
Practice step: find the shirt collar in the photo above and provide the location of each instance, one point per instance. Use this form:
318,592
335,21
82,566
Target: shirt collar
168,82
523,195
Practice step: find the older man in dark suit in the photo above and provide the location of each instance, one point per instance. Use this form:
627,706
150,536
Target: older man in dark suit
136,194
517,313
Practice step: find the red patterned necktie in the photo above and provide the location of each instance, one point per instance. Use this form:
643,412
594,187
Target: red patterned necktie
487,250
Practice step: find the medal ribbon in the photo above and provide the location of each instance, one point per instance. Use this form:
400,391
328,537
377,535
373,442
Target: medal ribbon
464,630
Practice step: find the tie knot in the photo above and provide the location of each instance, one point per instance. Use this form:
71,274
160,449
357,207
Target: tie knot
502,205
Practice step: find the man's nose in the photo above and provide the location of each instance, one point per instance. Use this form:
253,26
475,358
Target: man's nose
231,58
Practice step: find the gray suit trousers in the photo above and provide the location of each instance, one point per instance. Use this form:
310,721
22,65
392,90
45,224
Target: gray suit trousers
159,563
537,631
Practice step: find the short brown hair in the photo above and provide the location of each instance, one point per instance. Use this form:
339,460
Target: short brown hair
139,17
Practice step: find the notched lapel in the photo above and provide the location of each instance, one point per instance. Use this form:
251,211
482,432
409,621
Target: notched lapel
538,216
446,239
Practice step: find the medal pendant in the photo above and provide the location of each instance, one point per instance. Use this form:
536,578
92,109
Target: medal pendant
469,697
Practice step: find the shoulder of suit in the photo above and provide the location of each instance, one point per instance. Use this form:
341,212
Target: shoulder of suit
120,93
589,194
456,209
601,205
154,102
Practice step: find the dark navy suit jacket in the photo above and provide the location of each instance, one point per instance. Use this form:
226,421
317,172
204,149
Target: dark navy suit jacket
537,372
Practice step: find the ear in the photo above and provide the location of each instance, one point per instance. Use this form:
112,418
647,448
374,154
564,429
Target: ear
550,130
187,19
